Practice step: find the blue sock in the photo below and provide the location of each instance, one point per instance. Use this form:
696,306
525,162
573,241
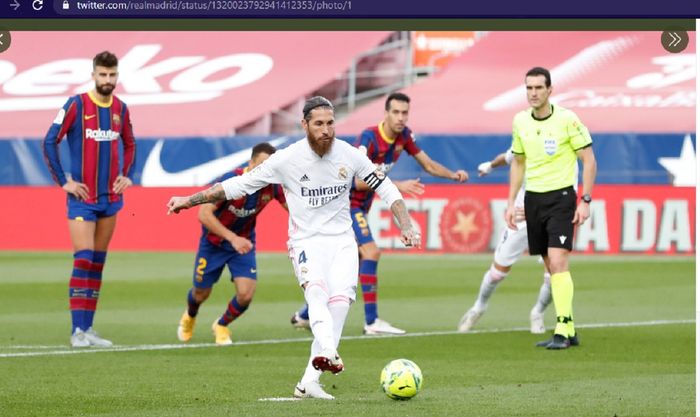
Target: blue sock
95,283
304,312
192,305
368,281
233,311
77,288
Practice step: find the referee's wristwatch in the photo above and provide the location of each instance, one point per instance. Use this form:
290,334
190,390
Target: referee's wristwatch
586,198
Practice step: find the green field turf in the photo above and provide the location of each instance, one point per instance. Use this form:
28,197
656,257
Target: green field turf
635,317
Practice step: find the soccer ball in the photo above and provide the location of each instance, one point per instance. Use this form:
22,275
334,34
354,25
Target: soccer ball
401,379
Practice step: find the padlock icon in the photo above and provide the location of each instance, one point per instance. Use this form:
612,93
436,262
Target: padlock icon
66,5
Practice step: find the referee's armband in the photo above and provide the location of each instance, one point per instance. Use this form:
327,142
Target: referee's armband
374,180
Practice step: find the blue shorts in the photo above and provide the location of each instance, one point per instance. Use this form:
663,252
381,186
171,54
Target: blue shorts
210,262
360,226
89,212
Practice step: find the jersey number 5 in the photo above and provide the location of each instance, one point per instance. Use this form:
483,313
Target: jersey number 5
361,221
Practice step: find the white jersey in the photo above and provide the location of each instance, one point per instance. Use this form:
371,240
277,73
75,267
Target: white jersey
317,189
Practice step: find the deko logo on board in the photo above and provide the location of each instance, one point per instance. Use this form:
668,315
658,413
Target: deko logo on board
144,79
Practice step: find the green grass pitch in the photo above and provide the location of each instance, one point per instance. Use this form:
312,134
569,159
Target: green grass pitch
635,317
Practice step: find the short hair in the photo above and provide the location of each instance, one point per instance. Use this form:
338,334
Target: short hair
315,102
262,147
396,96
105,59
534,72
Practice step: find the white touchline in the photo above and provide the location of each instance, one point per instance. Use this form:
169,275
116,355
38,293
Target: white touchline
278,399
64,350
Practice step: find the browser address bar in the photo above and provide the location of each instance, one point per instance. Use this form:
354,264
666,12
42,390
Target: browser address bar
223,8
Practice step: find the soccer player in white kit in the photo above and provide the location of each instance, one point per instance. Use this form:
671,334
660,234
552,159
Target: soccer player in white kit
316,173
509,249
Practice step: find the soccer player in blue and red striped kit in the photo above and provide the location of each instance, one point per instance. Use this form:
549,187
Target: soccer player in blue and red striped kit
228,239
383,145
95,124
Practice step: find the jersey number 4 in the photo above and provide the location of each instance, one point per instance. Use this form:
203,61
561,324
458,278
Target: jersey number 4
302,257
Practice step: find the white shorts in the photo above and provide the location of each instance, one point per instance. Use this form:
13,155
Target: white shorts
330,259
512,244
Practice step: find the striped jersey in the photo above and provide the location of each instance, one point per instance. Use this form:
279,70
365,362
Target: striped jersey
239,215
383,151
93,131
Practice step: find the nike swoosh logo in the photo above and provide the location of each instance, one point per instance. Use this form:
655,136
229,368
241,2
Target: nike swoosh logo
90,116
253,270
154,175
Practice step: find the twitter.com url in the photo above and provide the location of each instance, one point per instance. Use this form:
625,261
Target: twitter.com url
217,6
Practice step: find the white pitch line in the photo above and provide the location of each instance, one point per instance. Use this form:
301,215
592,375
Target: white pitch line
63,350
277,399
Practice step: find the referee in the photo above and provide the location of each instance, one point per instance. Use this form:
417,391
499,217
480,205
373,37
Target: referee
547,139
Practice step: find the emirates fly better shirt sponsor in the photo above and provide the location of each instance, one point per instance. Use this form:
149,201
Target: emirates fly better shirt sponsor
316,188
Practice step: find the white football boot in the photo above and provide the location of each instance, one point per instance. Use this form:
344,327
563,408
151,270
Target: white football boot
96,340
381,327
78,339
311,390
468,320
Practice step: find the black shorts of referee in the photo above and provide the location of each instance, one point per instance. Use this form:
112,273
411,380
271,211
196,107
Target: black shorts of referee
549,217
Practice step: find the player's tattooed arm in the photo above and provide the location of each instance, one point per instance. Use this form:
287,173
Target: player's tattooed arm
409,236
211,195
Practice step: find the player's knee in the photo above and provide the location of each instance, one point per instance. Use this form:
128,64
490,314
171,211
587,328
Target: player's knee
498,273
245,298
316,290
370,253
201,294
558,267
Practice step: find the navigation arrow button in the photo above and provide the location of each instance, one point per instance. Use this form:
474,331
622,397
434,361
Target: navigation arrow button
674,41
5,40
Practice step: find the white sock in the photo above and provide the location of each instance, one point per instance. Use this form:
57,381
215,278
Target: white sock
488,284
310,373
545,296
338,307
319,316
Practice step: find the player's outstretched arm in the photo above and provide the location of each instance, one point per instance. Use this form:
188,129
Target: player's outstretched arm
413,188
485,168
211,195
409,236
436,169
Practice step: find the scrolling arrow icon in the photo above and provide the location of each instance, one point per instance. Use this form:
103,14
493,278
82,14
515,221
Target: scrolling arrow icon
674,41
14,4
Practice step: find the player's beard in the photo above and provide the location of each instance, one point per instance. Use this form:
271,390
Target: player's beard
320,145
105,89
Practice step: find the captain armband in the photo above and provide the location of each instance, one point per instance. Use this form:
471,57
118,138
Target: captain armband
374,180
